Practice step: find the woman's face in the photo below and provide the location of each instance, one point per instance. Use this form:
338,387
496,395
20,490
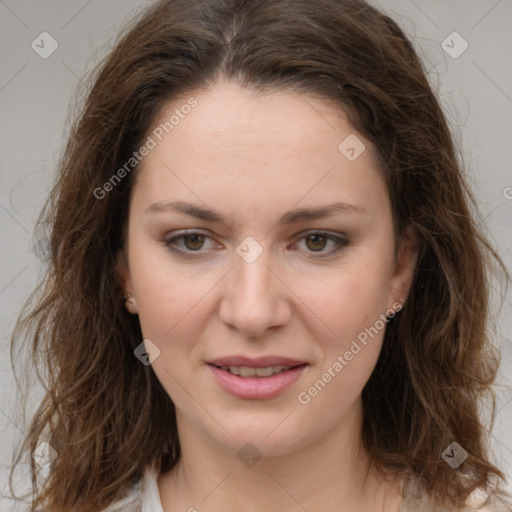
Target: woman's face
261,228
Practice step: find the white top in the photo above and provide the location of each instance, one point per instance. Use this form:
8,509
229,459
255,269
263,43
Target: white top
151,497
145,497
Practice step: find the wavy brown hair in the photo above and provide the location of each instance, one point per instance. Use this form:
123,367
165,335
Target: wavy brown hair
107,415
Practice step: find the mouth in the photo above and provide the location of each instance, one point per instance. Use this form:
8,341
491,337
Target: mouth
262,372
257,382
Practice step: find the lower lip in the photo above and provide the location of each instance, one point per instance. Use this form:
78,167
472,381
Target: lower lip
257,388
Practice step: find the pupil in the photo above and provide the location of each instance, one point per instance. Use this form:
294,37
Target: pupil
322,237
194,237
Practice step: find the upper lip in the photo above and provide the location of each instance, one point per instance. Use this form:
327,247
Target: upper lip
256,362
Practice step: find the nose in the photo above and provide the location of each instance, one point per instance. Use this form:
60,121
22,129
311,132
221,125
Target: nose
255,297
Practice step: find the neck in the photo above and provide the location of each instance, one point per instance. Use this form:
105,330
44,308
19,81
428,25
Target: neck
331,473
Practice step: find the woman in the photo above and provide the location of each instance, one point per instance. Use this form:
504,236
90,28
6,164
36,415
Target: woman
266,290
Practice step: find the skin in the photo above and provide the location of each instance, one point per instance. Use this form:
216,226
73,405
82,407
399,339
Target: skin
252,158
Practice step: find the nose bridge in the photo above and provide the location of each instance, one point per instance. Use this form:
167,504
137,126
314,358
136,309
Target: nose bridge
254,277
254,299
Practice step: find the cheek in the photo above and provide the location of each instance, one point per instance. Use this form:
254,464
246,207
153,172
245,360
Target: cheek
162,296
354,312
352,298
174,303
167,308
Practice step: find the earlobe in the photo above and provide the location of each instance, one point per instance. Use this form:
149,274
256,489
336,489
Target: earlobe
130,303
125,282
405,265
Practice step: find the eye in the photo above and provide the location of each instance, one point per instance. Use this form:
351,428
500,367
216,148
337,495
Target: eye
188,243
317,241
193,241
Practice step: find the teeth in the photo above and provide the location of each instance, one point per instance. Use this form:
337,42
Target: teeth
245,371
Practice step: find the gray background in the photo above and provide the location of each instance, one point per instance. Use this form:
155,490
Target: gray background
35,94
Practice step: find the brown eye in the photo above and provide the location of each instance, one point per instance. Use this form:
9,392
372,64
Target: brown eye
187,243
317,244
197,241
317,240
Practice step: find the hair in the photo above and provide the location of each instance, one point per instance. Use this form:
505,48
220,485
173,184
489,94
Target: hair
107,415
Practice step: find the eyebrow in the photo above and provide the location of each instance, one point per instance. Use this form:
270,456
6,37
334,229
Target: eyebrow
289,217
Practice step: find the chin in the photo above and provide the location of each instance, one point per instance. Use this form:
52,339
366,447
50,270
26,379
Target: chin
255,440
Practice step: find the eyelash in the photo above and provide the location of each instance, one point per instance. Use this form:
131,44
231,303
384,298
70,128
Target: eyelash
341,241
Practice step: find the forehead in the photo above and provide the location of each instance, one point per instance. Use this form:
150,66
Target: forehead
229,114
235,144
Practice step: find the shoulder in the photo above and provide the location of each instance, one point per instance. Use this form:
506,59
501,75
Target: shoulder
130,503
144,496
149,490
495,503
416,500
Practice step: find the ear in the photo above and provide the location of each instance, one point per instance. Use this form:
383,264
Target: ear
125,281
405,265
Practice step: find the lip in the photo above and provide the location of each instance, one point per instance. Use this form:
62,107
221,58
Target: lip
257,388
255,362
